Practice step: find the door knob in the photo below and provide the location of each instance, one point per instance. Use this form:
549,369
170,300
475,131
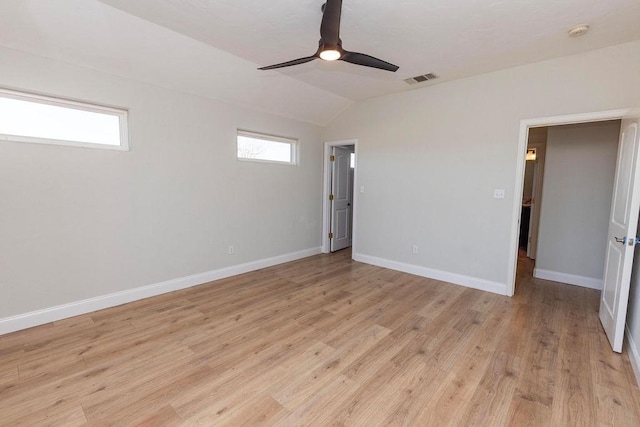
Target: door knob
626,241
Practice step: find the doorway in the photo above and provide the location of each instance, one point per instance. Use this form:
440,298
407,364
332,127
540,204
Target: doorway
564,225
621,233
339,202
525,126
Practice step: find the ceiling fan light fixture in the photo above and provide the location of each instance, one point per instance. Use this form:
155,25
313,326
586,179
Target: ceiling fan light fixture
330,44
330,54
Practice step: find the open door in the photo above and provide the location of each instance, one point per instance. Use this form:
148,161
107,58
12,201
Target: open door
621,239
340,199
532,238
537,140
534,218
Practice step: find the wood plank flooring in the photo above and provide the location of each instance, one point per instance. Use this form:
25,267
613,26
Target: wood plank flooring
330,342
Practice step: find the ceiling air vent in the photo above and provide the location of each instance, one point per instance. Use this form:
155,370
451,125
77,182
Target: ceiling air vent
421,78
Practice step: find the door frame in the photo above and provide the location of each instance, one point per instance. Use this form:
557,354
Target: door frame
326,190
525,125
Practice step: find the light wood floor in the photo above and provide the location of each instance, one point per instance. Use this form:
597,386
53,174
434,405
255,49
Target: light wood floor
325,341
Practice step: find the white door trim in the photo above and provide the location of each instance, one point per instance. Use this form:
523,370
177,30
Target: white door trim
326,189
520,164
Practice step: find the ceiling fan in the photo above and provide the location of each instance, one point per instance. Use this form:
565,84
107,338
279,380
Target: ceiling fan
330,48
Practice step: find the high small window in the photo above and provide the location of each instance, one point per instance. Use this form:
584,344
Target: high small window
266,148
25,117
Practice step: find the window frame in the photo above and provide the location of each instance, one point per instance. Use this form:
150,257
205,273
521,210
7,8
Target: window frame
293,144
121,113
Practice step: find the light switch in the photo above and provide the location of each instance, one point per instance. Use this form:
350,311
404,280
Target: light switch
498,193
362,188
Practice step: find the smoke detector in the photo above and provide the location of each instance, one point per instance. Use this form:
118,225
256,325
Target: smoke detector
578,30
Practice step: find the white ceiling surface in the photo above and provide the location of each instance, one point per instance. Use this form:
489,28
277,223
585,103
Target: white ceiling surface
451,38
223,41
94,35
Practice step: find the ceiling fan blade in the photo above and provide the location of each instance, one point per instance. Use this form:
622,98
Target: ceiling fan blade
368,61
330,26
289,63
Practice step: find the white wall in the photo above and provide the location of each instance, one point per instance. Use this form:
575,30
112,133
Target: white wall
79,223
576,201
633,315
430,159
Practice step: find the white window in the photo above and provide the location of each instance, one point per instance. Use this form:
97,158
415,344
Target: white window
26,117
266,148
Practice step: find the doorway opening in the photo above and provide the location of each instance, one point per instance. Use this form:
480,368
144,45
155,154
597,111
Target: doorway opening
339,202
564,226
622,223
534,220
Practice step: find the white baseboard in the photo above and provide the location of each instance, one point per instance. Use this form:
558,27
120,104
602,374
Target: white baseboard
571,279
445,276
634,355
51,314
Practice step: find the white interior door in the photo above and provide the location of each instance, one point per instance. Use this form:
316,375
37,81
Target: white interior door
532,211
340,199
536,199
622,235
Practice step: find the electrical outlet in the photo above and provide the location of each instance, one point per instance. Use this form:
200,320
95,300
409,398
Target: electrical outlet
231,250
498,193
414,249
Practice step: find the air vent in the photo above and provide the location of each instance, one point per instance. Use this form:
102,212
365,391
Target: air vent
421,78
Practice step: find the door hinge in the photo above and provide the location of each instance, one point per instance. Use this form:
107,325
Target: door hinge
331,235
332,158
330,196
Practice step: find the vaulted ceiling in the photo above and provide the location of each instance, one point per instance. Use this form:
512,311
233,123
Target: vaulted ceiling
213,47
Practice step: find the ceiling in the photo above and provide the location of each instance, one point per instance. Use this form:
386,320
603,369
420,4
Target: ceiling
452,39
211,48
